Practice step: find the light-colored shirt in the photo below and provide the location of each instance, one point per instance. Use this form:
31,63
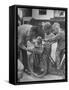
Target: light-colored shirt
60,39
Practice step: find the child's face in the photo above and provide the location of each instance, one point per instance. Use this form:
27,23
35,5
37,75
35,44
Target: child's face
39,42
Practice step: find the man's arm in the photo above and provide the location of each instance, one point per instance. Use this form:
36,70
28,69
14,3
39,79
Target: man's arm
22,46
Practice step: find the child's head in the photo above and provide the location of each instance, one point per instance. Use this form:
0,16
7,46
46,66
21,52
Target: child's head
39,40
56,27
47,27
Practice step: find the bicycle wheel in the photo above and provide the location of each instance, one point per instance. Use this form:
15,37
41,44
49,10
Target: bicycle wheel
63,67
37,65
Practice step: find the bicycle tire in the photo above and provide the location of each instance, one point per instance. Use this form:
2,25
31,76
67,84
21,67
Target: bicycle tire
44,61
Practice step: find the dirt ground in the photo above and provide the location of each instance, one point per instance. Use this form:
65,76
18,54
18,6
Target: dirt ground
27,77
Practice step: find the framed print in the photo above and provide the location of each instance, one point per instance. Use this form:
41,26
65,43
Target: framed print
37,44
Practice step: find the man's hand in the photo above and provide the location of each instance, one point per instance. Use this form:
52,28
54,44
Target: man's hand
23,47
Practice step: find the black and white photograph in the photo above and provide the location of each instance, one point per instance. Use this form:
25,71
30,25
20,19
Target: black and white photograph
34,44
41,44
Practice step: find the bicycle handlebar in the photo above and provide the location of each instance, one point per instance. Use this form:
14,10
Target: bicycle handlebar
25,48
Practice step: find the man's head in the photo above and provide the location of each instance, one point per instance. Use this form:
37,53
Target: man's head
56,28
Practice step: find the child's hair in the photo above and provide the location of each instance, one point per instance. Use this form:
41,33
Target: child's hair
47,27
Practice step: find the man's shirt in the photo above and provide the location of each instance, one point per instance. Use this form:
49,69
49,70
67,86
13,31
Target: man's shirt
23,31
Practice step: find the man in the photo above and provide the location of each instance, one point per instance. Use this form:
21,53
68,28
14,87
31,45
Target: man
60,39
23,36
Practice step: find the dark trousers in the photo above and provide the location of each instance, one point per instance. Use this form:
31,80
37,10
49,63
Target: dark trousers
23,57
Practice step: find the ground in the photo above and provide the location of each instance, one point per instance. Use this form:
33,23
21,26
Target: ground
27,77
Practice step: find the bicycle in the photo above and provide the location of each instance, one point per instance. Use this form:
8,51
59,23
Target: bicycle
38,61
